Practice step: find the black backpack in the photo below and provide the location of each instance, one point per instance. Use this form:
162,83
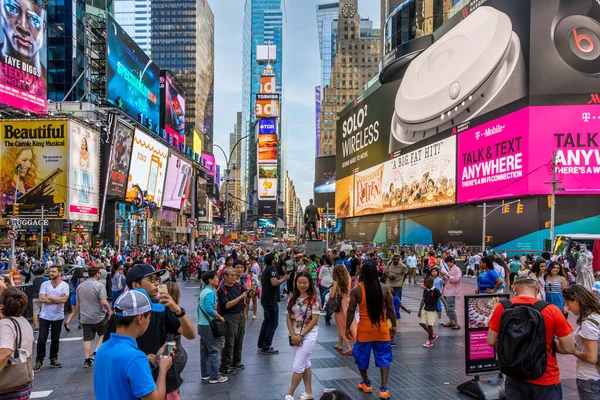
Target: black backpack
522,340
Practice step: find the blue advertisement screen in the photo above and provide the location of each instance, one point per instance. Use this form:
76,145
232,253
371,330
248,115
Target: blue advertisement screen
133,78
267,126
266,223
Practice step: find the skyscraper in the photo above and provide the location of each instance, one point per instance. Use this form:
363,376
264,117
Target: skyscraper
355,63
135,16
264,22
327,20
183,37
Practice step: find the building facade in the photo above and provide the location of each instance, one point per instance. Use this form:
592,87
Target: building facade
264,22
355,63
327,20
135,17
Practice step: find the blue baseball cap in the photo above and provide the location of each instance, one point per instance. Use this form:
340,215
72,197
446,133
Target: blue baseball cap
136,302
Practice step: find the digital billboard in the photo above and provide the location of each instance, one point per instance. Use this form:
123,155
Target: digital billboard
266,223
172,118
268,84
122,142
267,188
84,176
324,189
133,78
267,126
267,148
148,168
178,182
266,108
512,155
209,163
23,83
33,164
420,178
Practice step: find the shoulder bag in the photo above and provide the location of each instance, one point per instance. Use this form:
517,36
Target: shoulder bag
217,327
16,375
335,302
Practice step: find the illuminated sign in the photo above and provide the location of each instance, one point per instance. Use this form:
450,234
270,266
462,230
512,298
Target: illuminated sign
267,126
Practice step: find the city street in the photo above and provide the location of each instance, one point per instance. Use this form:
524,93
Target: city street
417,372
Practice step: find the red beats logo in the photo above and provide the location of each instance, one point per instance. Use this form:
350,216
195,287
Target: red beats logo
583,42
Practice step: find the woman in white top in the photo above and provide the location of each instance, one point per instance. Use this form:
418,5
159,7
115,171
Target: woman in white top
585,305
325,284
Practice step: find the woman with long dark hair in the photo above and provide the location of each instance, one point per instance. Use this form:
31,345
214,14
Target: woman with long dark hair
585,305
538,270
74,283
555,283
488,280
341,287
302,316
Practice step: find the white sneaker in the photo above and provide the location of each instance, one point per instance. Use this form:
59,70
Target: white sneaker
288,397
305,396
220,380
254,317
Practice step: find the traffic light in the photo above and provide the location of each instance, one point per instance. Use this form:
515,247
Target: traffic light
519,208
549,201
118,232
61,212
489,239
16,209
323,217
547,224
506,209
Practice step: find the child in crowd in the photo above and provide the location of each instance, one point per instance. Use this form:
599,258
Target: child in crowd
438,283
397,306
427,318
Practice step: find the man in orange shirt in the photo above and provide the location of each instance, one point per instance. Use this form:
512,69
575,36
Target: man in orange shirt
548,386
374,299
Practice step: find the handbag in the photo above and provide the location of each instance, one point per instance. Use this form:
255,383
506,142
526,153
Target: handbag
217,327
16,376
302,326
335,303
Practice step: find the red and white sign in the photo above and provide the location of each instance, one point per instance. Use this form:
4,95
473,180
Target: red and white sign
12,234
192,223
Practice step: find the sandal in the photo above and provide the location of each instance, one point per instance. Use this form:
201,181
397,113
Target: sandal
338,348
455,327
448,325
347,352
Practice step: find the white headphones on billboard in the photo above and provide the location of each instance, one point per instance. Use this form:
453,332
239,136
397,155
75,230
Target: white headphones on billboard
477,66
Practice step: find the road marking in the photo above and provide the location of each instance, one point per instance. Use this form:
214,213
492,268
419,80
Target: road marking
192,287
41,394
68,339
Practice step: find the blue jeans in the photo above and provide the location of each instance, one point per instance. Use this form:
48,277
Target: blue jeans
183,269
324,290
269,326
210,353
521,390
588,390
398,292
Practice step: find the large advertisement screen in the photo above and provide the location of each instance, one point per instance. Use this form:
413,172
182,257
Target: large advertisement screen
148,168
178,182
417,179
84,176
173,113
267,148
133,78
34,156
267,181
119,160
23,83
512,155
324,181
209,163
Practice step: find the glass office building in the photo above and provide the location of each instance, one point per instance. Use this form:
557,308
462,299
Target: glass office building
327,20
263,24
183,41
134,16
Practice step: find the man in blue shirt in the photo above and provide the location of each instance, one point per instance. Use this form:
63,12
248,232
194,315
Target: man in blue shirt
122,370
343,260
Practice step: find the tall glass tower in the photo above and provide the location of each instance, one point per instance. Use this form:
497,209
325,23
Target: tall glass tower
327,21
135,17
264,22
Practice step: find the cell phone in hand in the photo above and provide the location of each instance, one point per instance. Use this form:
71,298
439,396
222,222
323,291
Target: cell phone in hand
168,349
162,288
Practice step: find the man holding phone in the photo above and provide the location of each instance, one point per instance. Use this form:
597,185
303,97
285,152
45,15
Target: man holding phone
122,369
270,302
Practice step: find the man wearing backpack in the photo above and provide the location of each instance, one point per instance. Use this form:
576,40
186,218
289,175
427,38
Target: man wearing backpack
529,360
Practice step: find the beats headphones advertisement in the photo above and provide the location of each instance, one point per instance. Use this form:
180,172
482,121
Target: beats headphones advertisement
565,51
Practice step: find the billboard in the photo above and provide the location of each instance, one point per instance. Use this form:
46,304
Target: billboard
266,108
33,164
172,118
133,78
148,168
344,195
23,83
84,173
178,182
267,222
512,155
267,188
324,190
209,163
267,148
318,119
267,126
119,160
266,53
268,84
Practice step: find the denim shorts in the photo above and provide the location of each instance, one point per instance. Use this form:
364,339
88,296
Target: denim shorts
588,389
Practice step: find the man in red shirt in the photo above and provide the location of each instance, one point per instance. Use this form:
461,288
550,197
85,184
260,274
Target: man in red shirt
548,386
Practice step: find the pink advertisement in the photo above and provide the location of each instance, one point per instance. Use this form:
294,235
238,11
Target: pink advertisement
492,159
478,347
512,155
177,184
573,133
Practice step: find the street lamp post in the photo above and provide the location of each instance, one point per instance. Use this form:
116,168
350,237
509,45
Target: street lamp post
228,178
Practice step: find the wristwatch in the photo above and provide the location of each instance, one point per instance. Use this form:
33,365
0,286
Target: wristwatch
182,314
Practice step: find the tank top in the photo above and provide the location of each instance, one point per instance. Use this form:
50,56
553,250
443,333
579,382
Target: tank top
553,287
365,330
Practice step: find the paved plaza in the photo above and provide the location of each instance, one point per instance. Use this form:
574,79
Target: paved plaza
417,372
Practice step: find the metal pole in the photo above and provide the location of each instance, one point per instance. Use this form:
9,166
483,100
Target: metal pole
553,203
327,225
483,230
227,171
13,259
42,236
194,189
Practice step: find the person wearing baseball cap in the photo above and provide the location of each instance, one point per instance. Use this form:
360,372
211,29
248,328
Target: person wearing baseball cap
122,369
172,320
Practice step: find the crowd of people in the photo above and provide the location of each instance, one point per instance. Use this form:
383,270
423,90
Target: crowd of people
128,302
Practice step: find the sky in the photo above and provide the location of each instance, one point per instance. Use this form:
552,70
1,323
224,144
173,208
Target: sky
301,73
